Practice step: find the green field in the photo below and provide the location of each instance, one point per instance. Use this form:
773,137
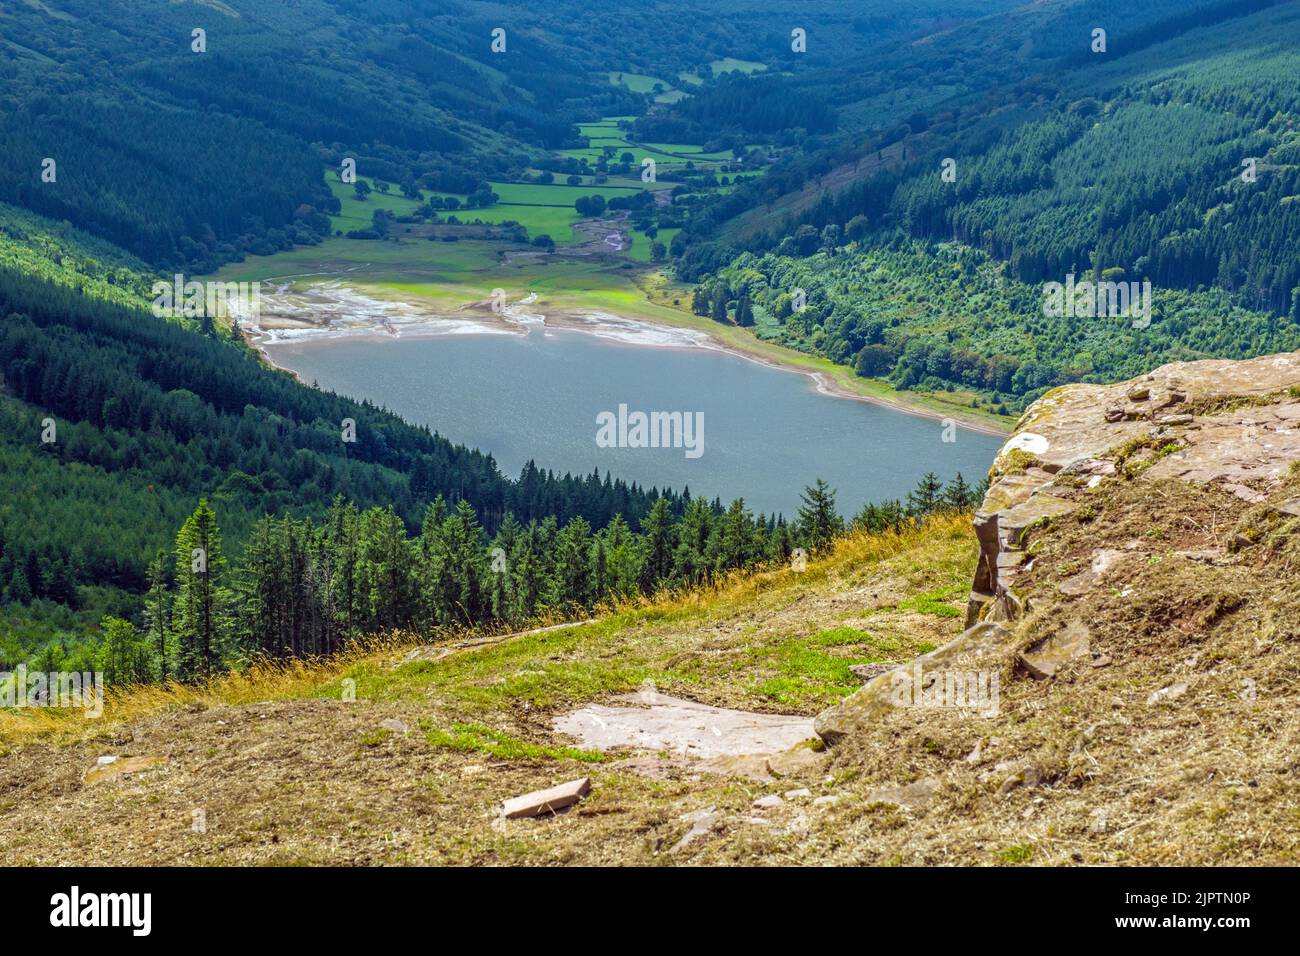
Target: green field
450,274
641,83
730,64
541,209
725,65
640,250
555,194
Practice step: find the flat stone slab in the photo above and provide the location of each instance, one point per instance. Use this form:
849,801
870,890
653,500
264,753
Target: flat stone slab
115,768
547,801
684,727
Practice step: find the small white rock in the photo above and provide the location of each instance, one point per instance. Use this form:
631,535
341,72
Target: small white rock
1172,692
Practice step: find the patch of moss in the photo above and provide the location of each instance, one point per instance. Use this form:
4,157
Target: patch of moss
934,602
1128,457
840,636
1016,855
1015,462
476,737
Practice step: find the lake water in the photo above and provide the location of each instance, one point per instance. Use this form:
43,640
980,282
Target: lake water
767,432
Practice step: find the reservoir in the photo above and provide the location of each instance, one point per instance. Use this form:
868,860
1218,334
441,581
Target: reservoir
764,433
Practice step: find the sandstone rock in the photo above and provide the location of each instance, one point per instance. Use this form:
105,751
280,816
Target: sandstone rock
1052,653
796,761
981,647
702,824
426,652
1290,508
769,802
395,725
750,766
1083,582
868,671
110,768
1024,777
684,727
546,801
912,795
797,794
1172,692
1077,431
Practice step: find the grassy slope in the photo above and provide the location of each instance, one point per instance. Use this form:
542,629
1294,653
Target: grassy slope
288,773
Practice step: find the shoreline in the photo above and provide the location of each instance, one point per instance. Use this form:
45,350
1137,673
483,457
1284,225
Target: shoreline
635,330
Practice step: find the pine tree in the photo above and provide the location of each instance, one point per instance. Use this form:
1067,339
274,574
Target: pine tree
690,558
571,583
732,546
744,312
719,309
200,616
819,522
124,658
958,495
621,559
657,545
500,586
386,579
157,612
926,497
340,540
700,301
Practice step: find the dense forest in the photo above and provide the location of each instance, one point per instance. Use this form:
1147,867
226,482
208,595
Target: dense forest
1177,167
306,588
117,421
943,316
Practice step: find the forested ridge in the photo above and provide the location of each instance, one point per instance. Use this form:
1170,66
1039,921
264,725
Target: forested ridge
115,422
1170,158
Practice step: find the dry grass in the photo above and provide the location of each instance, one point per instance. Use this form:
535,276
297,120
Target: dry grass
1076,769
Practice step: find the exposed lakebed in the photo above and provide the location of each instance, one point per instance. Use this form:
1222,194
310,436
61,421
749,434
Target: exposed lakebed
523,386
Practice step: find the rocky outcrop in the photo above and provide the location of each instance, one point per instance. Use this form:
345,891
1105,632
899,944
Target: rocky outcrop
1234,424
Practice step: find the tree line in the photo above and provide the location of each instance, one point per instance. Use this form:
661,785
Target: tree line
308,588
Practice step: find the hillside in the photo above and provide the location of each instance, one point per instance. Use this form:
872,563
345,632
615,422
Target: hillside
151,415
1133,597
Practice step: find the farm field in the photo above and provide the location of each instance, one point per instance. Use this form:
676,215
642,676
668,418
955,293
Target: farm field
641,83
541,209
